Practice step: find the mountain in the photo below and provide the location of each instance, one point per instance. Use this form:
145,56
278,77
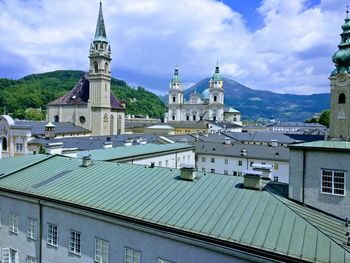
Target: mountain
35,91
255,104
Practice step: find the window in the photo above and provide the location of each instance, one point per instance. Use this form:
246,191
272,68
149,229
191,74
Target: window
275,166
101,250
32,226
212,170
251,163
173,117
161,260
74,242
13,223
132,256
4,144
174,99
333,182
96,67
226,161
166,163
19,147
52,238
213,160
214,118
203,169
82,119
215,98
234,173
194,117
225,172
341,99
31,259
275,178
239,162
9,255
203,159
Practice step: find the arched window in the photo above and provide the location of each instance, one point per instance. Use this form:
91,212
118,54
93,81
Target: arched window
214,118
106,68
341,99
215,98
194,117
174,99
56,118
4,144
173,117
95,67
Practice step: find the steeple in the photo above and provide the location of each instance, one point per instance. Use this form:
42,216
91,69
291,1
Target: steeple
217,75
175,79
342,57
100,34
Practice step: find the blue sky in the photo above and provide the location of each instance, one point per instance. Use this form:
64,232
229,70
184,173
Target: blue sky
278,45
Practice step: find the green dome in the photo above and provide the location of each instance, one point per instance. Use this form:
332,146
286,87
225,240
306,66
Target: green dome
205,94
217,75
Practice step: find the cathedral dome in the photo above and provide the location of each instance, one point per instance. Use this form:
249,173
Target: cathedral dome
205,94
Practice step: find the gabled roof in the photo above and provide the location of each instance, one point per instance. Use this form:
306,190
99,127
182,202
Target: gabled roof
214,208
79,95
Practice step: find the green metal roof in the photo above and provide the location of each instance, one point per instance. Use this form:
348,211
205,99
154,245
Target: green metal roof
175,79
16,163
214,206
134,151
336,145
100,34
217,76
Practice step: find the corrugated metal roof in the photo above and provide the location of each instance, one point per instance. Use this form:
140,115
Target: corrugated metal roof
343,145
16,163
134,151
278,153
214,205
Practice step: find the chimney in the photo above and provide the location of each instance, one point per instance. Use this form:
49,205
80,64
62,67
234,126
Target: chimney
252,179
86,161
188,172
54,148
265,170
227,140
107,145
50,130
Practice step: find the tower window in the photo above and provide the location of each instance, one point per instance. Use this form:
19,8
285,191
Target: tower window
174,99
194,117
214,118
106,68
96,67
215,98
56,118
341,99
173,117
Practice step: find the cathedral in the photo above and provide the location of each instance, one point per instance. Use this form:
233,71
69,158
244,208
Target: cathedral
340,87
91,104
206,106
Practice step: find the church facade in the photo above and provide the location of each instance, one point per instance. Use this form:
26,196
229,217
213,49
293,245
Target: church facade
91,104
206,106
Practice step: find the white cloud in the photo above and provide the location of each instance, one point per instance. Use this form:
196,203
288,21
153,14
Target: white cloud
291,52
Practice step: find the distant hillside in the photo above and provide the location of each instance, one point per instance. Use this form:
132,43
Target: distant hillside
35,91
255,104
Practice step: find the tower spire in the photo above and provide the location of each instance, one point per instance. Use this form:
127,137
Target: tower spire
100,34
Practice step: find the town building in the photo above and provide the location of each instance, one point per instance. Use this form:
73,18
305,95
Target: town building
319,176
91,104
233,158
298,128
56,207
208,105
171,155
16,135
340,87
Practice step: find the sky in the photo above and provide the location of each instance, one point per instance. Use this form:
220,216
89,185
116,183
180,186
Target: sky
277,45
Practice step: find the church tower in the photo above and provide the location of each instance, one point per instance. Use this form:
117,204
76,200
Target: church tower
216,96
100,79
175,97
340,87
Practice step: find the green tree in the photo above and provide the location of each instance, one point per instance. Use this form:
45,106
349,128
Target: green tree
324,118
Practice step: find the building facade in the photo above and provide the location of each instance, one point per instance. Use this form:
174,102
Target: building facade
340,88
208,106
91,104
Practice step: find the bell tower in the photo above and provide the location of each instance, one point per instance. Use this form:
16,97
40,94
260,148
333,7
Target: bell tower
175,97
100,79
340,87
216,96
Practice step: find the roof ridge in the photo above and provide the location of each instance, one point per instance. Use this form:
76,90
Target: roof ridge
308,221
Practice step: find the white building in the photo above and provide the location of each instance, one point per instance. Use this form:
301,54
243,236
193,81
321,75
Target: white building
234,158
209,105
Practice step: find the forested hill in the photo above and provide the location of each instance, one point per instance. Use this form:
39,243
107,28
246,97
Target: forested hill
35,91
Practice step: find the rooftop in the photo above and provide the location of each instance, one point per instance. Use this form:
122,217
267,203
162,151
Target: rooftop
214,207
331,145
134,151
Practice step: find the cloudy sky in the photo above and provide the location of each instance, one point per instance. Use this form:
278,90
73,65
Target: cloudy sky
278,45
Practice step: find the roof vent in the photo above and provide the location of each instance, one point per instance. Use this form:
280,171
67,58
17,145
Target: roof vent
128,142
273,143
265,170
86,161
243,152
252,179
188,172
107,145
227,140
